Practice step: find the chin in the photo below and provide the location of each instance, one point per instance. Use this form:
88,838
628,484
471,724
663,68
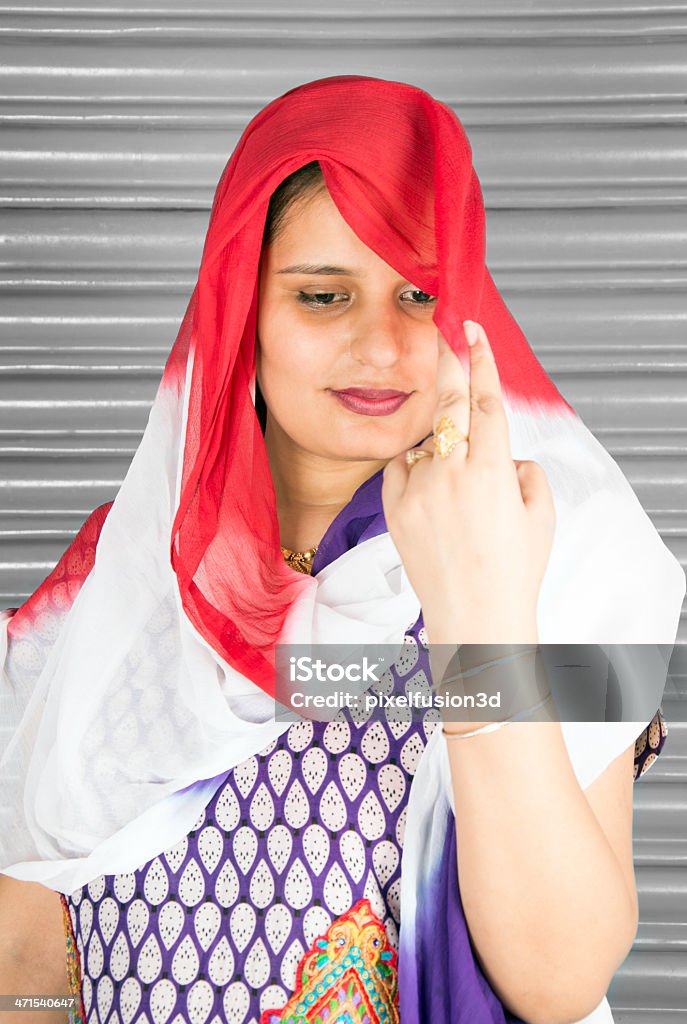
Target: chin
367,452
370,438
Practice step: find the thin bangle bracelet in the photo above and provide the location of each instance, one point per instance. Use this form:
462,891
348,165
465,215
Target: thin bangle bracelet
487,664
494,725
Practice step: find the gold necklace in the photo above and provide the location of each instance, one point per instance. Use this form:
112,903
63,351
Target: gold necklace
301,561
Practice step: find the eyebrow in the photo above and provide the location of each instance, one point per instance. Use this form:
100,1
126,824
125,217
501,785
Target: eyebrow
319,268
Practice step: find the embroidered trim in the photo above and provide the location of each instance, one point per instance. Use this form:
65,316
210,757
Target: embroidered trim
349,975
77,1014
649,744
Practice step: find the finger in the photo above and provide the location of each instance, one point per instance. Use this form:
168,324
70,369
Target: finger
489,437
394,482
396,475
453,394
417,468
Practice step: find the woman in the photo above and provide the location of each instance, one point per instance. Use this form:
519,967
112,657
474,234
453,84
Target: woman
216,861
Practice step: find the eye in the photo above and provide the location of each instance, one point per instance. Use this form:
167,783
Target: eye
419,298
321,298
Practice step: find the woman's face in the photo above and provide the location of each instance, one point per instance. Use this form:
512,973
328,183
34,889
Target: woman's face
333,316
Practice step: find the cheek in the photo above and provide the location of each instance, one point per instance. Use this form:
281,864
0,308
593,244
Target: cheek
294,366
425,360
294,349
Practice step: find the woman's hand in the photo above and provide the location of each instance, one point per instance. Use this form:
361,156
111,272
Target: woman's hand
474,530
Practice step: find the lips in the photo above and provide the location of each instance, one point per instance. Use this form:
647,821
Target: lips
372,393
371,401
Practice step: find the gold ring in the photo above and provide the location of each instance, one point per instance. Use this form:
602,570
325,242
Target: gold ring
446,436
412,457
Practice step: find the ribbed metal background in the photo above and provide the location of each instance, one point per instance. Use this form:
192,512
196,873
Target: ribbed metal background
116,123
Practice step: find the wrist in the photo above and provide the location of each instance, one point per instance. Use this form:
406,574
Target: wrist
441,631
477,684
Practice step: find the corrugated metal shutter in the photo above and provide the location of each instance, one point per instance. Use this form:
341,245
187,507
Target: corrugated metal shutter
116,124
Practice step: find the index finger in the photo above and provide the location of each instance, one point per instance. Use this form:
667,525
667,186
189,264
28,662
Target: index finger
452,388
488,422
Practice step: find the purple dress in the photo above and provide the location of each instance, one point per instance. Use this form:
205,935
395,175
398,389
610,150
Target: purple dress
283,901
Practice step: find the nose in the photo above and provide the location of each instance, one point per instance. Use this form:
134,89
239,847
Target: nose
379,339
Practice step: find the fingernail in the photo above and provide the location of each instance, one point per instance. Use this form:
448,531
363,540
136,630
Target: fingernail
471,332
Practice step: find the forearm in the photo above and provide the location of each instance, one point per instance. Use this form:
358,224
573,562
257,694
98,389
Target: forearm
32,947
545,899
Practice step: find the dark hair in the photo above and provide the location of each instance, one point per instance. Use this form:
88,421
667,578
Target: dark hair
306,180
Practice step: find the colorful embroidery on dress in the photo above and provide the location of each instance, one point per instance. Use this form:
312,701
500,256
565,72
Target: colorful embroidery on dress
649,744
76,1011
348,976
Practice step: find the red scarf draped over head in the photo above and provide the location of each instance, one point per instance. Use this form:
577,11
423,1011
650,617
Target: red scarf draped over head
398,166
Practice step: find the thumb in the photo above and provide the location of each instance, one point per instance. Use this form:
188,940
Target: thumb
534,488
